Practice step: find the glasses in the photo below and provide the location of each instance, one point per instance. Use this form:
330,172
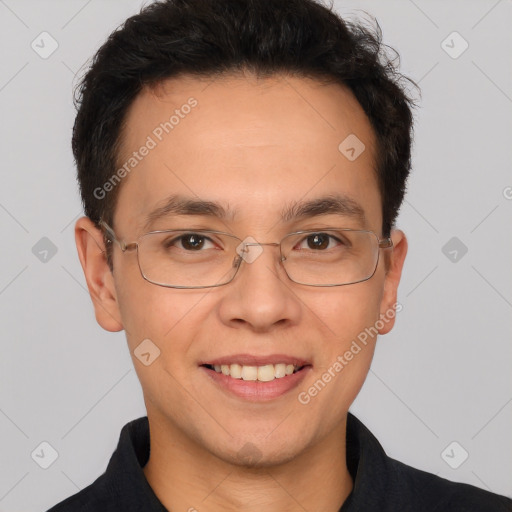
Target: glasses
189,258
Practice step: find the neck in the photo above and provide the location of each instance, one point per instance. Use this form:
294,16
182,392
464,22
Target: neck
185,476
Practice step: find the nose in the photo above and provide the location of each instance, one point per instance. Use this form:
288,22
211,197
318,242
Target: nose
260,296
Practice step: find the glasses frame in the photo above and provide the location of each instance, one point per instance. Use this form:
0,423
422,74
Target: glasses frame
383,243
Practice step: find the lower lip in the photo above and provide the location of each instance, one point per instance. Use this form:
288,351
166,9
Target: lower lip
254,390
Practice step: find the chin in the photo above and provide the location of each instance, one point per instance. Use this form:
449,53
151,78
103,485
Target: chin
259,453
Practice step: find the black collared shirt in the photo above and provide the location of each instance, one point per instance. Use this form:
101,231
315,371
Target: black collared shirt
380,483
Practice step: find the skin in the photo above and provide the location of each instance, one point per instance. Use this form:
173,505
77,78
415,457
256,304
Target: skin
254,144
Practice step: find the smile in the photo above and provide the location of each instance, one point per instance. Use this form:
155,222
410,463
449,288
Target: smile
265,373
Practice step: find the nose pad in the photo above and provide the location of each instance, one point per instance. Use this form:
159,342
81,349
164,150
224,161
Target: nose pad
236,262
249,249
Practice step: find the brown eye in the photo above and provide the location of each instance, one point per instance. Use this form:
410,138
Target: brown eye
189,242
192,241
320,242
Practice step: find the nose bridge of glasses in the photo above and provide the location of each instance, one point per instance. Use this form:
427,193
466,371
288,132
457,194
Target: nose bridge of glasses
245,254
261,243
245,244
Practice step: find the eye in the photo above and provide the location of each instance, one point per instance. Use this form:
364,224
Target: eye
189,242
320,242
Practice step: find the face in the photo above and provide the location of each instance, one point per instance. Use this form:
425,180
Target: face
255,147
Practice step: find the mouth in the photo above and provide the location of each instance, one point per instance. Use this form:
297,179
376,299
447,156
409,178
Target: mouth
263,373
254,378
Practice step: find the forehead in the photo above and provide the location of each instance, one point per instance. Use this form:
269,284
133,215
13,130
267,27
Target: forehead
253,144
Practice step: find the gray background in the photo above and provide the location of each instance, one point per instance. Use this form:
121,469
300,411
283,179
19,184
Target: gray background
442,375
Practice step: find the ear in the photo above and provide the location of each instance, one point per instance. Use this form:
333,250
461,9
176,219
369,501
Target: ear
100,281
394,265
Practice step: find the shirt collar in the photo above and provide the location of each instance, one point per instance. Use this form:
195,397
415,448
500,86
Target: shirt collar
371,469
124,476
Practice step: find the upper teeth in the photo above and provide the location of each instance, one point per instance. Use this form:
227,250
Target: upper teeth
264,373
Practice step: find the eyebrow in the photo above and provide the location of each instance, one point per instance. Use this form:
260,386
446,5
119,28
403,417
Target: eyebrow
297,210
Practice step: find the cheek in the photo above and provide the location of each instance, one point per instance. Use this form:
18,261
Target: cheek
163,315
347,311
348,337
169,319
344,355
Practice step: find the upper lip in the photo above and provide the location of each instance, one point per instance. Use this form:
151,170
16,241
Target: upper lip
256,360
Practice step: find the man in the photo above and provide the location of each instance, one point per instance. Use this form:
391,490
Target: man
241,165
